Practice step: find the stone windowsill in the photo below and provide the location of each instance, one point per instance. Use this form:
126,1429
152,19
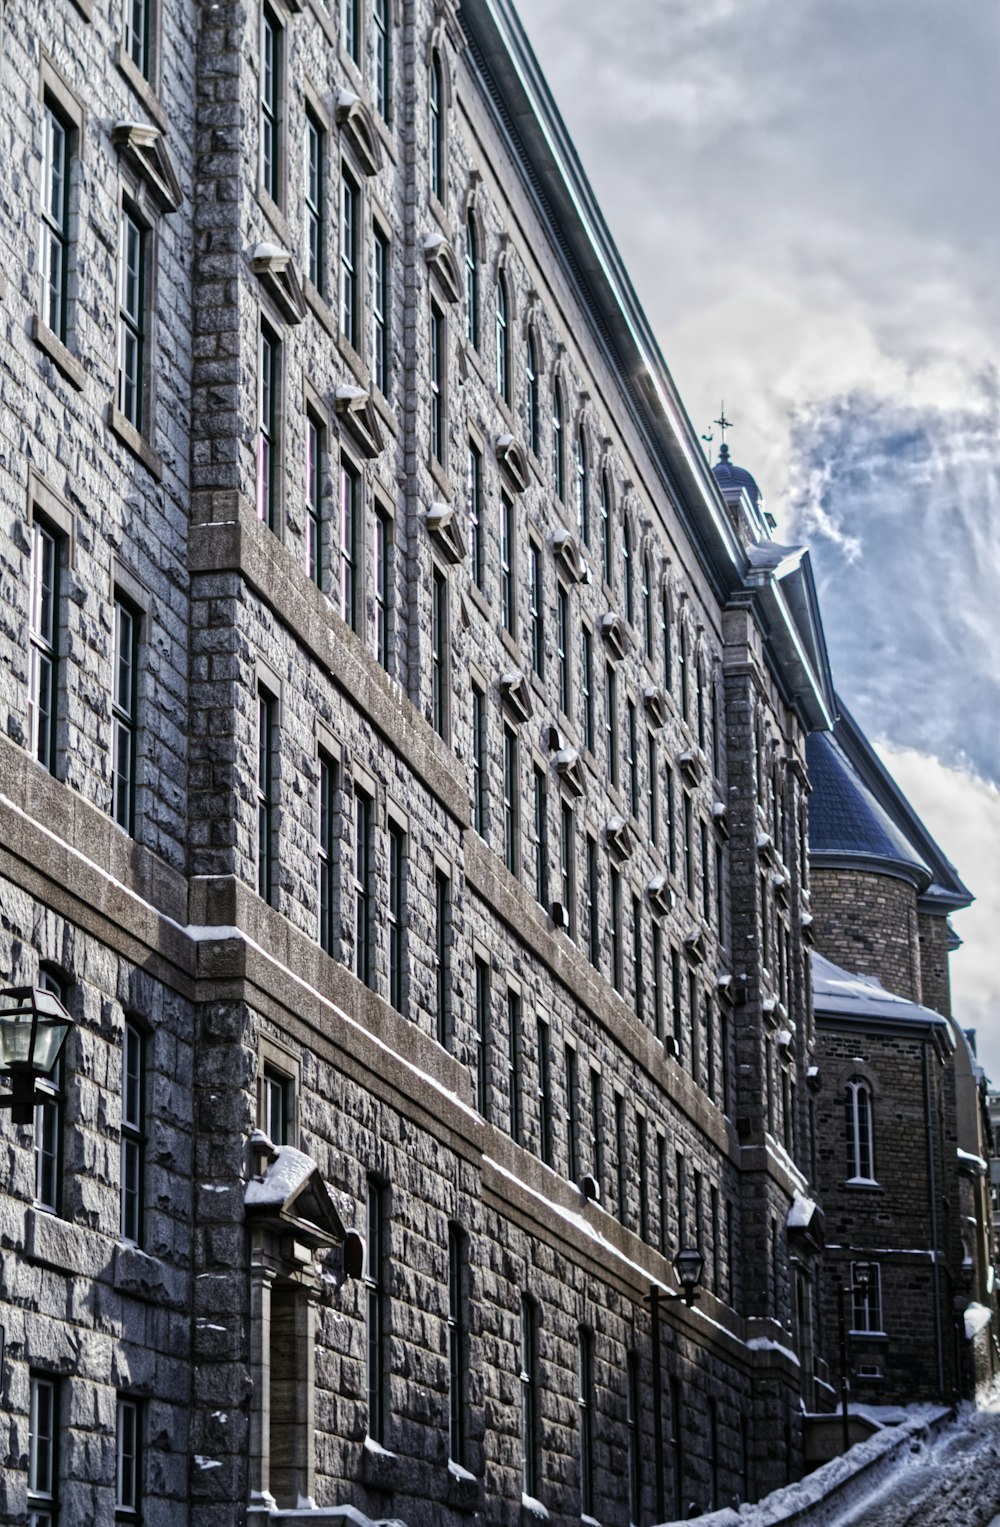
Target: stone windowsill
58,353
137,444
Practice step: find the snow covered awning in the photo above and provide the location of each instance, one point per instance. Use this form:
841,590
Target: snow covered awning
975,1317
291,1191
804,1222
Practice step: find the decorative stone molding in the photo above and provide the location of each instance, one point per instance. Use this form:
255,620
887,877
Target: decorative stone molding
614,633
720,816
276,272
694,945
659,895
655,703
442,264
618,837
566,552
513,462
765,848
515,692
357,128
445,532
570,771
360,417
692,765
143,149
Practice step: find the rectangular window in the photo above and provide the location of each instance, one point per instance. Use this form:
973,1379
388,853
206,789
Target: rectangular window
710,1046
270,105
652,805
511,801
720,877
676,1444
514,1063
632,738
442,946
713,1209
128,1470
276,1106
668,795
657,980
49,1124
133,1143
642,1171
482,1035
352,31
695,1028
617,962
610,725
265,798
634,1437
541,837
133,240
397,871
351,605
597,1128
680,1195
529,1406
544,1093
585,1404
724,1058
350,199
706,885
325,850
439,652
699,1209
363,818
124,714
55,228
508,603
46,556
479,801
593,905
621,1157
375,1290
566,867
675,998
437,376
587,686
380,311
137,34
638,985
688,847
866,1297
474,488
562,647
572,1116
383,86
456,1345
267,427
382,559
661,1195
315,451
43,1472
536,609
313,200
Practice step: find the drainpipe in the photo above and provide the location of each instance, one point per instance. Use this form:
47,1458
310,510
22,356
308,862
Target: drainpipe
932,1192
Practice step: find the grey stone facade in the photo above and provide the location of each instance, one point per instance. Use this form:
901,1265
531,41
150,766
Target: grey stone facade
431,1044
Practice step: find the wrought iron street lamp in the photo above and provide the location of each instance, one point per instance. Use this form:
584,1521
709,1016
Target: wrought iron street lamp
689,1265
33,1029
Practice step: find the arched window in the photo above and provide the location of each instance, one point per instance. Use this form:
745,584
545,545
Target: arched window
606,527
531,392
627,560
435,129
858,1131
647,608
503,341
582,489
472,280
558,474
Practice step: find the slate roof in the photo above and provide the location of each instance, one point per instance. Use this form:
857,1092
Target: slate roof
846,820
838,993
728,475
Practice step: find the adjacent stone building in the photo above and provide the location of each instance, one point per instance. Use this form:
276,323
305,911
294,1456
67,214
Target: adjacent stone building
901,1120
403,777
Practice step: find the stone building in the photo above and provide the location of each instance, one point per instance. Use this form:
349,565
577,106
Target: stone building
902,1128
403,775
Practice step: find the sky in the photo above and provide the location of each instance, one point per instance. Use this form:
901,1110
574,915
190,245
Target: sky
807,201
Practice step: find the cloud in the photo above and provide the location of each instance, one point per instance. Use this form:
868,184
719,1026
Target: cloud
962,812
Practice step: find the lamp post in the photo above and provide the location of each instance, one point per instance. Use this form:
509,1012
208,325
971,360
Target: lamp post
689,1264
33,1029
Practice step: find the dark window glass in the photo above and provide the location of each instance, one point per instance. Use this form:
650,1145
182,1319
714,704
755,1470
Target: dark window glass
442,921
350,221
531,409
536,610
54,232
270,105
137,34
315,451
267,427
541,837
133,1142
397,871
124,714
475,499
558,462
582,489
437,385
313,199
472,281
435,129
380,312
276,1107
457,1370
351,605
508,609
43,1472
562,647
572,1116
511,801
502,342
616,928
482,1035
46,550
439,653
587,687
363,808
529,1402
376,1299
133,240
585,1403
325,850
265,798
383,58
514,1063
382,559
48,1123
479,798
128,1461
544,1093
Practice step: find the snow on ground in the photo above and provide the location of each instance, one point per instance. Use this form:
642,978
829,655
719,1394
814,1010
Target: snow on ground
952,1481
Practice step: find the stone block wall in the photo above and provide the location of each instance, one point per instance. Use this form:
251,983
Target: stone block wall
868,924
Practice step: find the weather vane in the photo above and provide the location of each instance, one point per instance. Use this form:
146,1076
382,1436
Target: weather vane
723,424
